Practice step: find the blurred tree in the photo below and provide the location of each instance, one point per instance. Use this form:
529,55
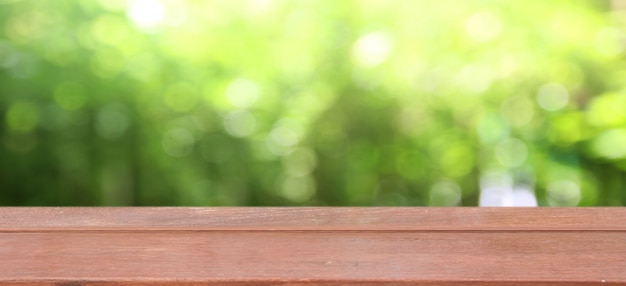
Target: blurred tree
260,102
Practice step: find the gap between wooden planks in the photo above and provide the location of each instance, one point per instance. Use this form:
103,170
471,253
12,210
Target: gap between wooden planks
312,246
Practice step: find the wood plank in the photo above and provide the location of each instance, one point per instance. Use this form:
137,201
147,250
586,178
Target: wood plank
320,218
312,246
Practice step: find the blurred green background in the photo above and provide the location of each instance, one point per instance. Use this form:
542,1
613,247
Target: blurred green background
326,102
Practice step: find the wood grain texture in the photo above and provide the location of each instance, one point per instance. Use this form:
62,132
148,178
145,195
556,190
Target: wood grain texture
312,246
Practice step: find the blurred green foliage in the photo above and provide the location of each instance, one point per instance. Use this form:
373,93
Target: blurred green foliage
364,102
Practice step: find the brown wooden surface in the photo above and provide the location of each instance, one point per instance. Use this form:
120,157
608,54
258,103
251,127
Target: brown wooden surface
330,246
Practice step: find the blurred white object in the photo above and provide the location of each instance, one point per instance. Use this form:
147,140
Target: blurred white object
497,190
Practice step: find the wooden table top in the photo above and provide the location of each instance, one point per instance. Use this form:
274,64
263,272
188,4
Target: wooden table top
312,246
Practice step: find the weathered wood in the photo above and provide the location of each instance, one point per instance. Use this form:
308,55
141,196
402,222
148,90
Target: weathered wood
328,246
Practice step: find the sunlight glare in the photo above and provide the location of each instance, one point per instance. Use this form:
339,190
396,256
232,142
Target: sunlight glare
146,13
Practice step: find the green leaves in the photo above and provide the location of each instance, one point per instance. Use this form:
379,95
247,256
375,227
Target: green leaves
310,102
